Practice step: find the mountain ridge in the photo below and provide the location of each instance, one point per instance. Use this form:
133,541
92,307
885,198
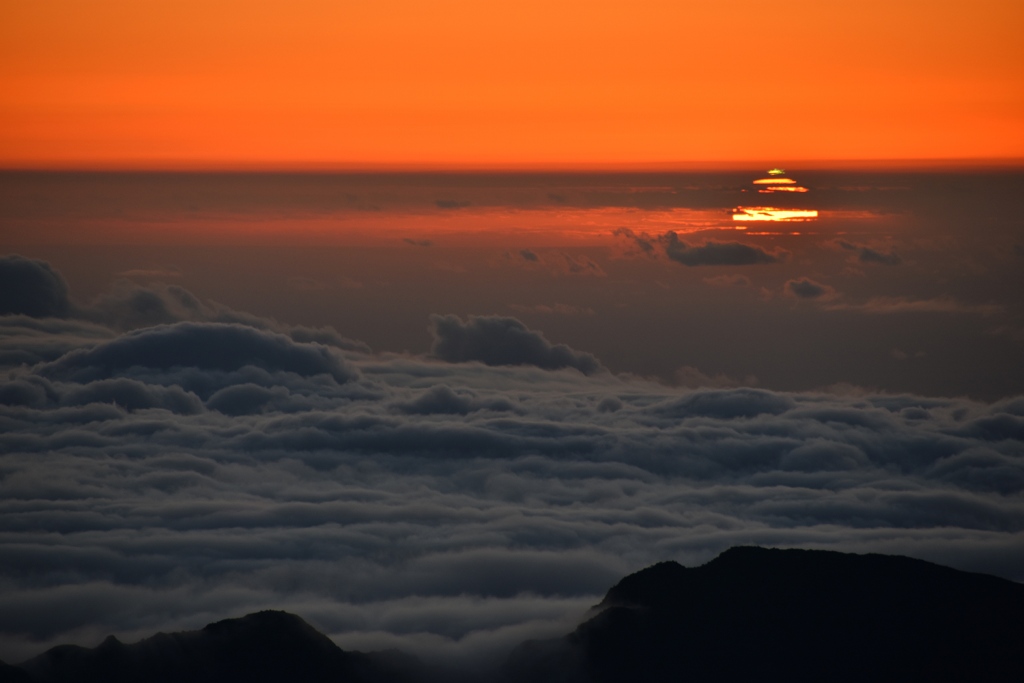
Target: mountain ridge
269,645
797,614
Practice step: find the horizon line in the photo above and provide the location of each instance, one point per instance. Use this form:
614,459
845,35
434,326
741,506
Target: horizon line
929,164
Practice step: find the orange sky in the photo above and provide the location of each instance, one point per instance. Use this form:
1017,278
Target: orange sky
264,83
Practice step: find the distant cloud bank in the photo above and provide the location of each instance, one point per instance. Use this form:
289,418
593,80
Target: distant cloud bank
160,476
707,254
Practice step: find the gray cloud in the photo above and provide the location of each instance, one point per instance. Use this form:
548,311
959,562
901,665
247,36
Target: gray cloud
529,255
496,340
30,287
714,253
806,288
246,399
26,340
441,399
129,306
163,478
133,395
327,336
869,255
707,254
741,402
205,346
36,292
458,509
643,242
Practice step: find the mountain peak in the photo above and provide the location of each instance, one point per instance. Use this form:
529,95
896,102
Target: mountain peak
276,621
110,643
795,615
263,646
645,585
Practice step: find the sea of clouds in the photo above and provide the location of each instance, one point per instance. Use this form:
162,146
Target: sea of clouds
166,462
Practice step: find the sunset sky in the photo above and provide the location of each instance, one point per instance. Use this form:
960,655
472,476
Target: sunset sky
328,83
428,321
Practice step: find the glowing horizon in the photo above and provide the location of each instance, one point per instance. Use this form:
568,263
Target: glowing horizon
402,84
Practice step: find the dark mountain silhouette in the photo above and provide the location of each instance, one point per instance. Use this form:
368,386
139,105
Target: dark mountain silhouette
749,614
12,674
265,647
795,615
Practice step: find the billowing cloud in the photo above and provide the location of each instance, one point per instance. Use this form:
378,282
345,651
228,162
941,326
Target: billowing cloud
868,255
454,505
132,395
327,336
741,402
30,287
458,509
203,346
714,253
641,242
806,288
26,340
128,306
529,255
441,399
707,254
496,340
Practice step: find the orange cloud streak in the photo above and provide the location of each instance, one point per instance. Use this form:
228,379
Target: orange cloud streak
461,82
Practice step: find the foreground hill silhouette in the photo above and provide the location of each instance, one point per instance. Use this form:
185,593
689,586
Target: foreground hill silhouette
796,615
749,614
261,647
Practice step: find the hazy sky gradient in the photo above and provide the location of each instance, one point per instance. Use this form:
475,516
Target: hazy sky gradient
459,82
905,282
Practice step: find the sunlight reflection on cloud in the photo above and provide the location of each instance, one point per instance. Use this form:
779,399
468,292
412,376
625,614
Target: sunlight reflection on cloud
770,213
